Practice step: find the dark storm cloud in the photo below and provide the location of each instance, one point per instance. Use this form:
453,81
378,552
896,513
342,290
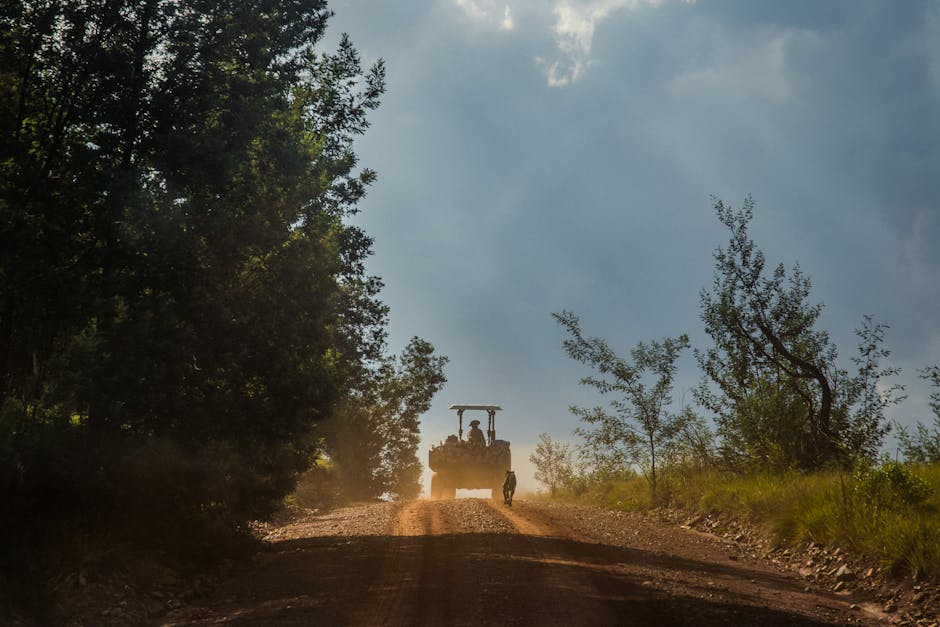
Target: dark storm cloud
502,198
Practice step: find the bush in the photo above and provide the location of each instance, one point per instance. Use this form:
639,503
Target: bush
888,512
318,488
891,485
192,501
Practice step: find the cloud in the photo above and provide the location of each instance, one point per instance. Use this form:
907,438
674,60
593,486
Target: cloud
575,23
771,74
506,23
488,11
921,253
933,44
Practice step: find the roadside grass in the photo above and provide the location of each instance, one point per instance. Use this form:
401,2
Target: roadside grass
890,513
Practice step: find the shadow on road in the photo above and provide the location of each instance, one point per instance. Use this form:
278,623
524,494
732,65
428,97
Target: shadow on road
503,579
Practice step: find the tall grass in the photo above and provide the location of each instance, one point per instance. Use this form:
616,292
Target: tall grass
890,513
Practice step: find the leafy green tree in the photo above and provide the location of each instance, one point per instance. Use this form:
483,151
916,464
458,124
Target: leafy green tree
693,446
178,278
554,466
867,394
640,428
352,442
781,400
405,395
374,440
923,445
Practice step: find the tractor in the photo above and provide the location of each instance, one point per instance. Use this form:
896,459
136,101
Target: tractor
474,463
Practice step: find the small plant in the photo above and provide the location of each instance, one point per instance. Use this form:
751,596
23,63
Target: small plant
891,485
554,467
923,445
637,429
888,512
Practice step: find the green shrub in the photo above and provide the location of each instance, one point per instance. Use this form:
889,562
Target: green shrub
891,485
318,487
889,511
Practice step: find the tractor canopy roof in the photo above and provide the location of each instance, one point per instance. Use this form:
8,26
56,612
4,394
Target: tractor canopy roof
480,407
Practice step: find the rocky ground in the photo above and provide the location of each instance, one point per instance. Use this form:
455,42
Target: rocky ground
902,600
474,561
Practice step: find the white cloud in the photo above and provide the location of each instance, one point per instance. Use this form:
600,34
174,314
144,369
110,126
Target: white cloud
573,30
498,14
575,23
507,23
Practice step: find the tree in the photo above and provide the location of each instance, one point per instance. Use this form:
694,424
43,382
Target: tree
869,425
373,439
178,278
781,400
693,446
923,446
553,463
640,427
405,395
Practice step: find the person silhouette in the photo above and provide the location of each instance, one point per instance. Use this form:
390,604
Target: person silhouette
475,435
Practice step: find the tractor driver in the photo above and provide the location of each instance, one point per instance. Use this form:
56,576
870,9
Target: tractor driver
475,435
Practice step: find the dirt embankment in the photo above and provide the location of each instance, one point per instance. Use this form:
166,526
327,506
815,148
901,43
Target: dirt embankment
473,561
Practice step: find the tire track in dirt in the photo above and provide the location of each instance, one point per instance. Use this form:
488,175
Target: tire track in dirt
667,560
561,566
436,572
399,594
522,524
527,522
475,562
411,520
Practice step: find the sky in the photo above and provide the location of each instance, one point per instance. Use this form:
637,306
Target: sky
541,155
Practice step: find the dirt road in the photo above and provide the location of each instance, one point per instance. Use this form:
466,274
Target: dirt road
477,562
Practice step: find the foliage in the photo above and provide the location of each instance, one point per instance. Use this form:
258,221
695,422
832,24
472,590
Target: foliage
924,445
626,490
890,485
865,432
781,401
886,512
554,467
182,298
405,396
693,446
640,429
373,441
319,487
